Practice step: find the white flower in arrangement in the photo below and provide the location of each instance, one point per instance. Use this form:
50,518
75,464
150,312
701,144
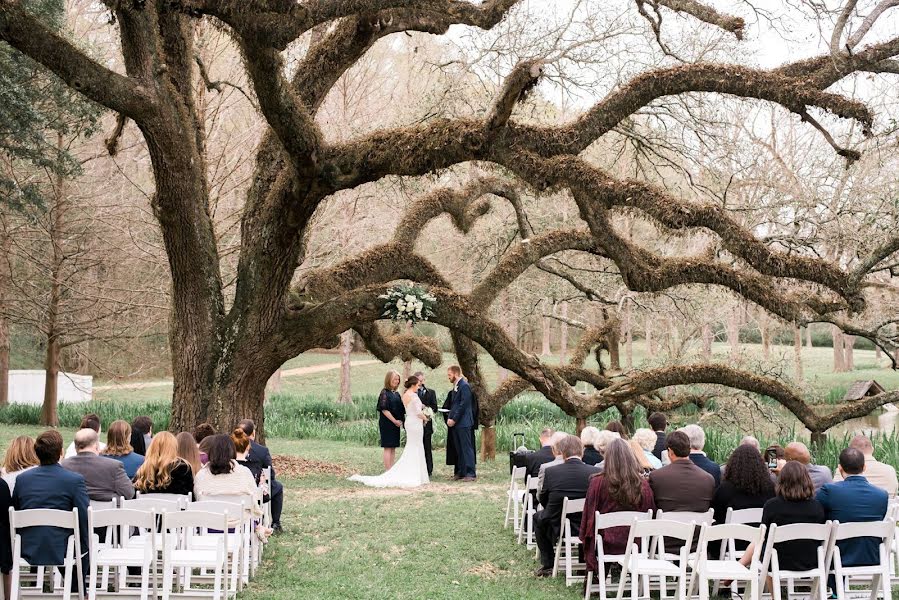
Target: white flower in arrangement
408,303
428,412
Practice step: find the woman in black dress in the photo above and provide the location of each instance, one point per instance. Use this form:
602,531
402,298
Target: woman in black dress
390,417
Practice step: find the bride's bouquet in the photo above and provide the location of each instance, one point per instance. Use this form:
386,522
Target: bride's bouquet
408,303
428,412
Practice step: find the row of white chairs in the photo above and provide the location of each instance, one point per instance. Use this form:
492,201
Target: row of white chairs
162,535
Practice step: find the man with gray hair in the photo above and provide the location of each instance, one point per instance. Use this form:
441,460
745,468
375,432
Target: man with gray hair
544,454
104,477
877,473
697,443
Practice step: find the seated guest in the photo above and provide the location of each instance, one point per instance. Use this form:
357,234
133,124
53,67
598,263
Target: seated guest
617,427
118,447
557,458
799,452
592,455
646,439
223,476
745,483
794,503
879,474
19,458
852,500
543,455
188,451
50,486
88,421
201,433
658,422
620,487
163,472
567,480
697,443
260,454
752,441
242,449
603,440
640,456
143,426
104,477
681,485
5,544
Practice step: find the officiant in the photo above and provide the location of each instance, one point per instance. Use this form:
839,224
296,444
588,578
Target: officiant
428,397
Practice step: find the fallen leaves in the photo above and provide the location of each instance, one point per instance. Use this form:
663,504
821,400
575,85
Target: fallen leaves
287,466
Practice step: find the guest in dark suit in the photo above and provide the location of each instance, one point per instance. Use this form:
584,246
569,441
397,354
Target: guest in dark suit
543,455
567,480
681,486
451,455
746,483
104,478
590,437
697,443
428,398
260,455
853,500
658,422
462,424
50,486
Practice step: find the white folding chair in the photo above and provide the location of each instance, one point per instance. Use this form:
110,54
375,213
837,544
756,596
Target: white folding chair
183,555
743,516
252,544
515,497
567,545
699,518
267,476
184,499
526,529
879,574
45,517
116,553
817,575
237,548
706,569
638,563
603,522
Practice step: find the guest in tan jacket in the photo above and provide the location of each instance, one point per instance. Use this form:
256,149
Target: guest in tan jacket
877,473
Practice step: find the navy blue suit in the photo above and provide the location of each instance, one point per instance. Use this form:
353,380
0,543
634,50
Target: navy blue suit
462,412
260,456
851,501
50,486
708,465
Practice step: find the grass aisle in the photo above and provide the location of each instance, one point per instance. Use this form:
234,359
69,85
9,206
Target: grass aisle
344,540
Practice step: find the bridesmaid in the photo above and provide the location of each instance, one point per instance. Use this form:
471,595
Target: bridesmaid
390,417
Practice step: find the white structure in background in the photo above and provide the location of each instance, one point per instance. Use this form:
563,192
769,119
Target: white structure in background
27,387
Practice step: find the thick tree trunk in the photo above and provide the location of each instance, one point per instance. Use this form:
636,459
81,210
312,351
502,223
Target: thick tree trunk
797,353
4,324
706,342
49,410
614,349
627,419
346,347
563,334
839,363
488,442
808,336
579,425
848,352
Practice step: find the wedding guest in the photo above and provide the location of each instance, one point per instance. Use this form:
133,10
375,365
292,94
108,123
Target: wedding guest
544,454
390,417
144,426
589,436
617,427
681,485
5,541
104,477
261,455
799,452
223,476
639,456
188,451
163,471
242,449
752,441
118,447
567,480
88,421
19,458
620,487
746,483
879,474
659,423
557,458
794,503
697,443
603,440
646,440
428,398
202,432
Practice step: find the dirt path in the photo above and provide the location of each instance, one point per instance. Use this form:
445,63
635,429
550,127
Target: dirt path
296,372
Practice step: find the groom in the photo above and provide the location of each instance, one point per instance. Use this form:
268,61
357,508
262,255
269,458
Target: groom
461,424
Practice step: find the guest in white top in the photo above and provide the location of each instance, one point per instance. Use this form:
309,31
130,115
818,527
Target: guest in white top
223,476
19,458
88,421
877,473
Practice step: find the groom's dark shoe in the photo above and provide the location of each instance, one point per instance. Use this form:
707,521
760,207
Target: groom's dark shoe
469,479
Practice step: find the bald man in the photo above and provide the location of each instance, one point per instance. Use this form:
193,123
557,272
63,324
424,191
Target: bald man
799,452
104,477
877,473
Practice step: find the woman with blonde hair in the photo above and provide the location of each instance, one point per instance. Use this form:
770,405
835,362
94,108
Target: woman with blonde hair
118,447
19,458
163,471
390,417
188,450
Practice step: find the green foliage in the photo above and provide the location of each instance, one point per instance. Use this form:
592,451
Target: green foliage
37,109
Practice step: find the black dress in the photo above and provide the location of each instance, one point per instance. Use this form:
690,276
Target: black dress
798,555
729,496
392,401
592,456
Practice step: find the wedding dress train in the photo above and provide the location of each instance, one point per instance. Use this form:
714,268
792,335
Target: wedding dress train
410,470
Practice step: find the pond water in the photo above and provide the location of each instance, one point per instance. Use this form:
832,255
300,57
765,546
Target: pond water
880,421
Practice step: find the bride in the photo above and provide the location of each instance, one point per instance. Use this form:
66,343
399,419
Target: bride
410,470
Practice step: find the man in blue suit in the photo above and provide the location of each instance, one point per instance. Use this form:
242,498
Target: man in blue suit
854,500
461,424
51,486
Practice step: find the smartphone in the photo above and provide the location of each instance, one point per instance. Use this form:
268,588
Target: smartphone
771,458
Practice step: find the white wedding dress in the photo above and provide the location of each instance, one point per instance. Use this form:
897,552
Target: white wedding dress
410,470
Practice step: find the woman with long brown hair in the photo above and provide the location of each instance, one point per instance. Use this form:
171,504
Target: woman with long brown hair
620,487
188,450
163,471
390,417
19,458
118,446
